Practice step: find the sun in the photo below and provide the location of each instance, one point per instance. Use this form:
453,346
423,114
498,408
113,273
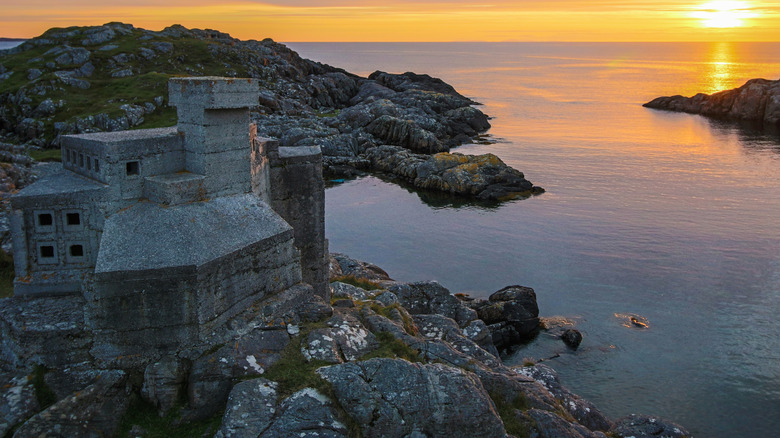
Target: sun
724,13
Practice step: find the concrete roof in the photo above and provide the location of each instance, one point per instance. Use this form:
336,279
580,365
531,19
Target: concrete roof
61,182
153,236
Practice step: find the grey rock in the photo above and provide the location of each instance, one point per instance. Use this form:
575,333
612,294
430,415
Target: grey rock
429,297
147,53
550,425
85,70
479,332
584,411
386,298
512,315
392,397
640,426
92,412
45,108
133,113
164,383
163,47
251,408
73,56
68,78
345,339
572,338
17,402
307,413
344,290
122,73
98,36
108,48
357,268
33,74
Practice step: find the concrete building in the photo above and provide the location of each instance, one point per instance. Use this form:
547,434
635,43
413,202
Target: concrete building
168,233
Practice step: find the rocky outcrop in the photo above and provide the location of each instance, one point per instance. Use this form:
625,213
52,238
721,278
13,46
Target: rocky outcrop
758,100
484,177
303,102
404,360
511,314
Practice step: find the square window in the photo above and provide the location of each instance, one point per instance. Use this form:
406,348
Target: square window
133,168
45,219
76,251
47,252
73,219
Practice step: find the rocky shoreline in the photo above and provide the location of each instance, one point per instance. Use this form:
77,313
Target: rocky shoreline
384,359
113,77
758,100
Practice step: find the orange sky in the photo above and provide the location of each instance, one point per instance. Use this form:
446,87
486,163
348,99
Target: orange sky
408,20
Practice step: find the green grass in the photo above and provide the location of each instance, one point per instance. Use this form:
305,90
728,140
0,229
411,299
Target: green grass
145,415
6,275
43,393
390,312
46,154
358,282
392,347
512,424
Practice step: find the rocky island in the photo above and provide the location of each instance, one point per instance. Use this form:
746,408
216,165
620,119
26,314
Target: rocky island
756,101
113,77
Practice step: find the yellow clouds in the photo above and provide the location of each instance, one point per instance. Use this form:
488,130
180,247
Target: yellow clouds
403,20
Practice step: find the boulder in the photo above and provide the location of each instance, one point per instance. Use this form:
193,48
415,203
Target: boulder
344,290
511,313
429,297
307,413
392,397
345,339
94,411
344,265
572,338
250,410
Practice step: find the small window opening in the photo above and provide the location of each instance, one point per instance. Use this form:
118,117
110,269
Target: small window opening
89,163
73,219
81,160
45,219
76,251
132,168
47,251
97,165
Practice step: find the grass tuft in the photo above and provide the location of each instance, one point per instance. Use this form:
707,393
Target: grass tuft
357,282
45,396
145,415
507,411
392,347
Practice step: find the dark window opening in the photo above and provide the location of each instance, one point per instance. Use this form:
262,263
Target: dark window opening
47,252
133,168
73,219
89,163
81,160
97,165
45,220
76,251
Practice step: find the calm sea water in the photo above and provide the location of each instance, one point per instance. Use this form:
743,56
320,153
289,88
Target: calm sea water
671,217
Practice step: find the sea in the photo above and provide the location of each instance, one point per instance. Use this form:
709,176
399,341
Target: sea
673,219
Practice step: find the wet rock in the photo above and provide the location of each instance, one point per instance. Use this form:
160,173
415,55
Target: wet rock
640,426
392,397
92,412
572,338
512,315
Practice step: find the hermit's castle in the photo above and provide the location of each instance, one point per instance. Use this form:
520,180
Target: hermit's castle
168,233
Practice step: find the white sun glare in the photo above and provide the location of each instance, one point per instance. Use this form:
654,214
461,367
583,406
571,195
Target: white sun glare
724,13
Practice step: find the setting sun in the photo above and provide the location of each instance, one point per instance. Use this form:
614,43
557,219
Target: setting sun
724,13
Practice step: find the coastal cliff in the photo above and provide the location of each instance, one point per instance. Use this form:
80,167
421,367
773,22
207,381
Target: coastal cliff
758,100
113,77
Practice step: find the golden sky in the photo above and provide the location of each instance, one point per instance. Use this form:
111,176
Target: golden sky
408,20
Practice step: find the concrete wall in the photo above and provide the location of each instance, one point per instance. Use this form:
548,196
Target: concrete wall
298,195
